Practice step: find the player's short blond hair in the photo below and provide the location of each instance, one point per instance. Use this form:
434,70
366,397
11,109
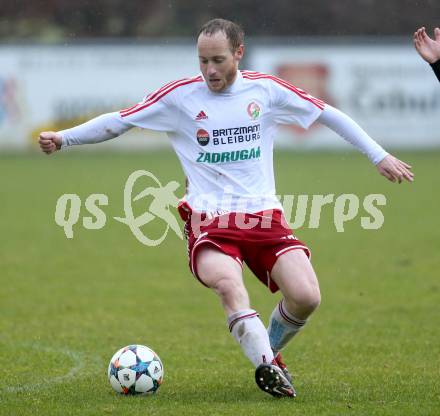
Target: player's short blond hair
233,31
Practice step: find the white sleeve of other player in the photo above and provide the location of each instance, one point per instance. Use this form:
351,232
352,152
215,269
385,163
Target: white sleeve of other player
349,130
292,105
155,112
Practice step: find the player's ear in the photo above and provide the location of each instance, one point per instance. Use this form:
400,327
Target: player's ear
239,52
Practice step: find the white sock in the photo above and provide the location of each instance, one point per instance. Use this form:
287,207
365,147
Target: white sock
283,326
247,328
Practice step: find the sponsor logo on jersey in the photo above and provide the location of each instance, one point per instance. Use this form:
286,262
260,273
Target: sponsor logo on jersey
202,137
236,135
201,116
234,156
253,110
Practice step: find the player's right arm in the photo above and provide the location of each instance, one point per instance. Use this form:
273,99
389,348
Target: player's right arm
99,129
158,111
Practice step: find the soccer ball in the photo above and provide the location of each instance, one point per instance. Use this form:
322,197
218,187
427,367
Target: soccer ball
135,369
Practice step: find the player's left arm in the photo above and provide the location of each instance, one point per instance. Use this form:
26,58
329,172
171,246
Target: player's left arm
387,165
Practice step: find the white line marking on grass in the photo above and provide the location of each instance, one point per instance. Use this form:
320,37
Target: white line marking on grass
77,358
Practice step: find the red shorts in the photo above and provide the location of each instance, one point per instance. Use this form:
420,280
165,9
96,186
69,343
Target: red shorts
256,239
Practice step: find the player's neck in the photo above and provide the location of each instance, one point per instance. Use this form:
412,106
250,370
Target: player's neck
232,80
233,84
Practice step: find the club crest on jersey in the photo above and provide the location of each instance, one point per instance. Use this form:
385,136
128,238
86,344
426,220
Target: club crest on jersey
253,110
202,137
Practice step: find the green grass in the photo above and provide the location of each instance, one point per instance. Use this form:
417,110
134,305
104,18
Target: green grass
372,348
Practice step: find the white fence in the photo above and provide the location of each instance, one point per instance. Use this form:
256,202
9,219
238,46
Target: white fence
387,89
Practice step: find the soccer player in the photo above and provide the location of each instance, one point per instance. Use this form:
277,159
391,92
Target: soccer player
222,125
429,49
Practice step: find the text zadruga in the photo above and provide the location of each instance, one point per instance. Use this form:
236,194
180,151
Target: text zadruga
234,156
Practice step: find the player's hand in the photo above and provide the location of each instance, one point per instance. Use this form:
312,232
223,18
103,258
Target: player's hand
428,49
394,169
50,142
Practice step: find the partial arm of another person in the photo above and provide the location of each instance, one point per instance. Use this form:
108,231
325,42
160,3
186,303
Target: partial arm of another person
429,49
387,165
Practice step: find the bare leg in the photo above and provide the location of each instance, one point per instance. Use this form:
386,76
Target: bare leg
294,275
224,275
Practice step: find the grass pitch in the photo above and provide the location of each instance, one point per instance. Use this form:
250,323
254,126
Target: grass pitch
372,348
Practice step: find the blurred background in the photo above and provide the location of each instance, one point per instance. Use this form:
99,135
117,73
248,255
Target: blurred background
62,62
64,20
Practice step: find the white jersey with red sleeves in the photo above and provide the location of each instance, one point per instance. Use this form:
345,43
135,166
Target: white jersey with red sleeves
225,140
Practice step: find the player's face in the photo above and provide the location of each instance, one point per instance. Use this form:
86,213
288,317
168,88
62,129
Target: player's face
218,63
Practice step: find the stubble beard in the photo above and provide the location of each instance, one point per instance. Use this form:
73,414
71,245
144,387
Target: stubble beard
228,79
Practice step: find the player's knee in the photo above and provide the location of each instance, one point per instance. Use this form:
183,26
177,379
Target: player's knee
227,288
311,301
314,301
305,303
